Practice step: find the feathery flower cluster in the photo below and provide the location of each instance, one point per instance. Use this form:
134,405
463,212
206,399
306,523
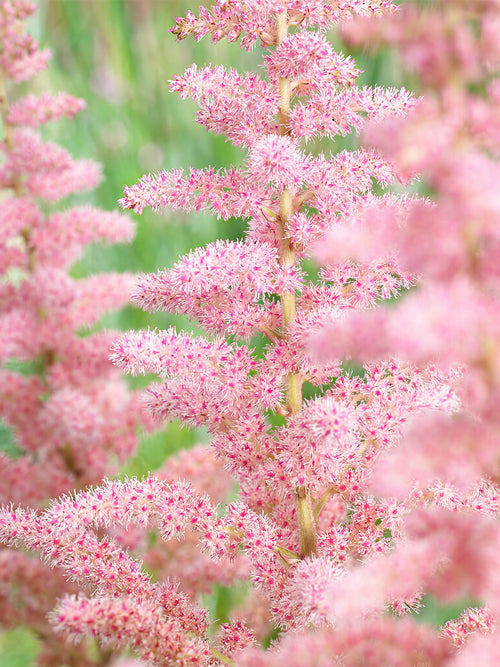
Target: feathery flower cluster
332,563
72,418
453,139
453,316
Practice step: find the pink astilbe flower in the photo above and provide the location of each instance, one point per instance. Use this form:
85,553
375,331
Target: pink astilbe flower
33,111
183,560
241,107
276,161
74,229
301,436
331,113
126,623
310,59
20,58
72,418
220,287
469,622
225,194
453,139
256,19
47,170
234,637
371,643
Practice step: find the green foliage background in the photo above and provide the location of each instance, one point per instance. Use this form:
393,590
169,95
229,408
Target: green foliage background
119,57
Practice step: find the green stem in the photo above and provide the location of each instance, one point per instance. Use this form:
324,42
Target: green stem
222,657
284,83
7,128
307,525
323,500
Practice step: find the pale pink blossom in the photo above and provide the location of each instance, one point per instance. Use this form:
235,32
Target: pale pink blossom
277,161
470,621
308,59
71,417
306,430
479,649
334,113
20,58
222,287
370,643
33,110
125,622
76,228
254,19
222,193
233,637
241,107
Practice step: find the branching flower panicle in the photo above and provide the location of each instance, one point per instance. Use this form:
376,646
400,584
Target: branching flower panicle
72,418
326,555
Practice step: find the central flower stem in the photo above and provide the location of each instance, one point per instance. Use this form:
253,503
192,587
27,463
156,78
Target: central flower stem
305,514
7,129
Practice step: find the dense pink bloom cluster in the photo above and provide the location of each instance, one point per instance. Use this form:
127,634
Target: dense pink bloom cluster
44,308
72,418
453,139
256,19
453,317
337,538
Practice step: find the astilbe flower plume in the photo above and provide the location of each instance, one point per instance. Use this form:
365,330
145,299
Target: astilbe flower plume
301,436
72,418
452,138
